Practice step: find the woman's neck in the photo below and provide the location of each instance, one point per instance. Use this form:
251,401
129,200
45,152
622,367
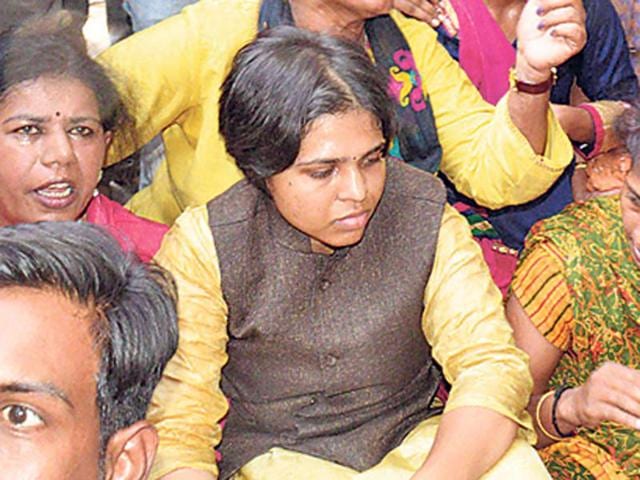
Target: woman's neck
318,16
506,13
503,4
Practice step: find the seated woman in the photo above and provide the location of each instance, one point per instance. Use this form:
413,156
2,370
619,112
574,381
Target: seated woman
575,307
336,288
58,113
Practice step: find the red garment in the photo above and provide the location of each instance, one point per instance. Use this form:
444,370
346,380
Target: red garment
133,233
485,53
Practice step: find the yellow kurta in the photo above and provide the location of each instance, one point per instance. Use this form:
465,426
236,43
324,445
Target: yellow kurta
463,321
174,71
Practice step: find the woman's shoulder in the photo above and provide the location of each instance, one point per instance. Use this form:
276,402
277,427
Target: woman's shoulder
234,206
578,226
409,182
134,233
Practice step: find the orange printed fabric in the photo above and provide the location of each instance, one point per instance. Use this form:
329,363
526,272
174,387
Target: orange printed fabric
541,288
578,458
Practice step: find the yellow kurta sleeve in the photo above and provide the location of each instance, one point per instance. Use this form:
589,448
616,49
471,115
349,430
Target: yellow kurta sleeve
484,154
172,73
465,324
188,403
159,72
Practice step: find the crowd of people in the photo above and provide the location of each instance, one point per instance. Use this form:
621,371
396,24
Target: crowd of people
386,239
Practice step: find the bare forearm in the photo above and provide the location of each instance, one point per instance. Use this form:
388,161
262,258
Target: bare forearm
529,111
549,33
543,423
576,123
462,441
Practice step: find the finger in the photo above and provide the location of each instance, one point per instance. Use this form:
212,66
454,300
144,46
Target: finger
614,414
547,5
421,9
620,371
623,401
559,16
572,33
617,385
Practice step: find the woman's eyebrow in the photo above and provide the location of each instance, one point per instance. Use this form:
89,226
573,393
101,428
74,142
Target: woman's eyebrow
27,117
375,149
43,388
84,119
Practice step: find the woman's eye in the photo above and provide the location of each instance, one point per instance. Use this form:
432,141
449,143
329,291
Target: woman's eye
81,131
28,130
320,174
373,159
20,416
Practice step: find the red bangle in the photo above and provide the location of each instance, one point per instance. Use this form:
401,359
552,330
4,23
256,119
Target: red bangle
531,88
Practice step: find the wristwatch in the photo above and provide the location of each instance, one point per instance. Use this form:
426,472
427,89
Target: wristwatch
531,88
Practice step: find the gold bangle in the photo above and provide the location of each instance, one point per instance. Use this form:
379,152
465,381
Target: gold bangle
539,421
580,166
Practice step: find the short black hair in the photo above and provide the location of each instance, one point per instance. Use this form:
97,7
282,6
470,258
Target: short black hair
135,328
628,131
281,82
53,46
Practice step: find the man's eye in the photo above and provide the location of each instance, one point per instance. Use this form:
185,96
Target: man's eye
20,416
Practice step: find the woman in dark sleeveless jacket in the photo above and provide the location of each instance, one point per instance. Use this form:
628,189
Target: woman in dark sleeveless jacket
327,295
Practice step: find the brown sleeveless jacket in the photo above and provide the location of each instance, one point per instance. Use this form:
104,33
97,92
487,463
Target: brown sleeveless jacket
326,352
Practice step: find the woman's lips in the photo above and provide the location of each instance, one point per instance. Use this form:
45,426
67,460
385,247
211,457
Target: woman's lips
355,221
56,195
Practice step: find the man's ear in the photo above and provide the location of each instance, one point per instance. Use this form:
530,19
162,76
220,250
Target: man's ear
131,451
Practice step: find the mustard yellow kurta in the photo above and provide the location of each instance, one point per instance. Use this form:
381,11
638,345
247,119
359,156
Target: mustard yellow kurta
463,321
174,71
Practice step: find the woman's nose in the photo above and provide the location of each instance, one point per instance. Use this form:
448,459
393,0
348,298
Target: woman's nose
58,149
353,185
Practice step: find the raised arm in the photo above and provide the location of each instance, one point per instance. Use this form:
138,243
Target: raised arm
168,70
465,325
188,403
505,155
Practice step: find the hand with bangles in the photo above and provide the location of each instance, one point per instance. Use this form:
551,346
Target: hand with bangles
612,393
549,33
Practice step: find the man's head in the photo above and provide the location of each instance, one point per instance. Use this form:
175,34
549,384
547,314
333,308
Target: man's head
85,332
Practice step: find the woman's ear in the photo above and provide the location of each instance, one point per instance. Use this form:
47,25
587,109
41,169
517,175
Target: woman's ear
131,451
108,137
